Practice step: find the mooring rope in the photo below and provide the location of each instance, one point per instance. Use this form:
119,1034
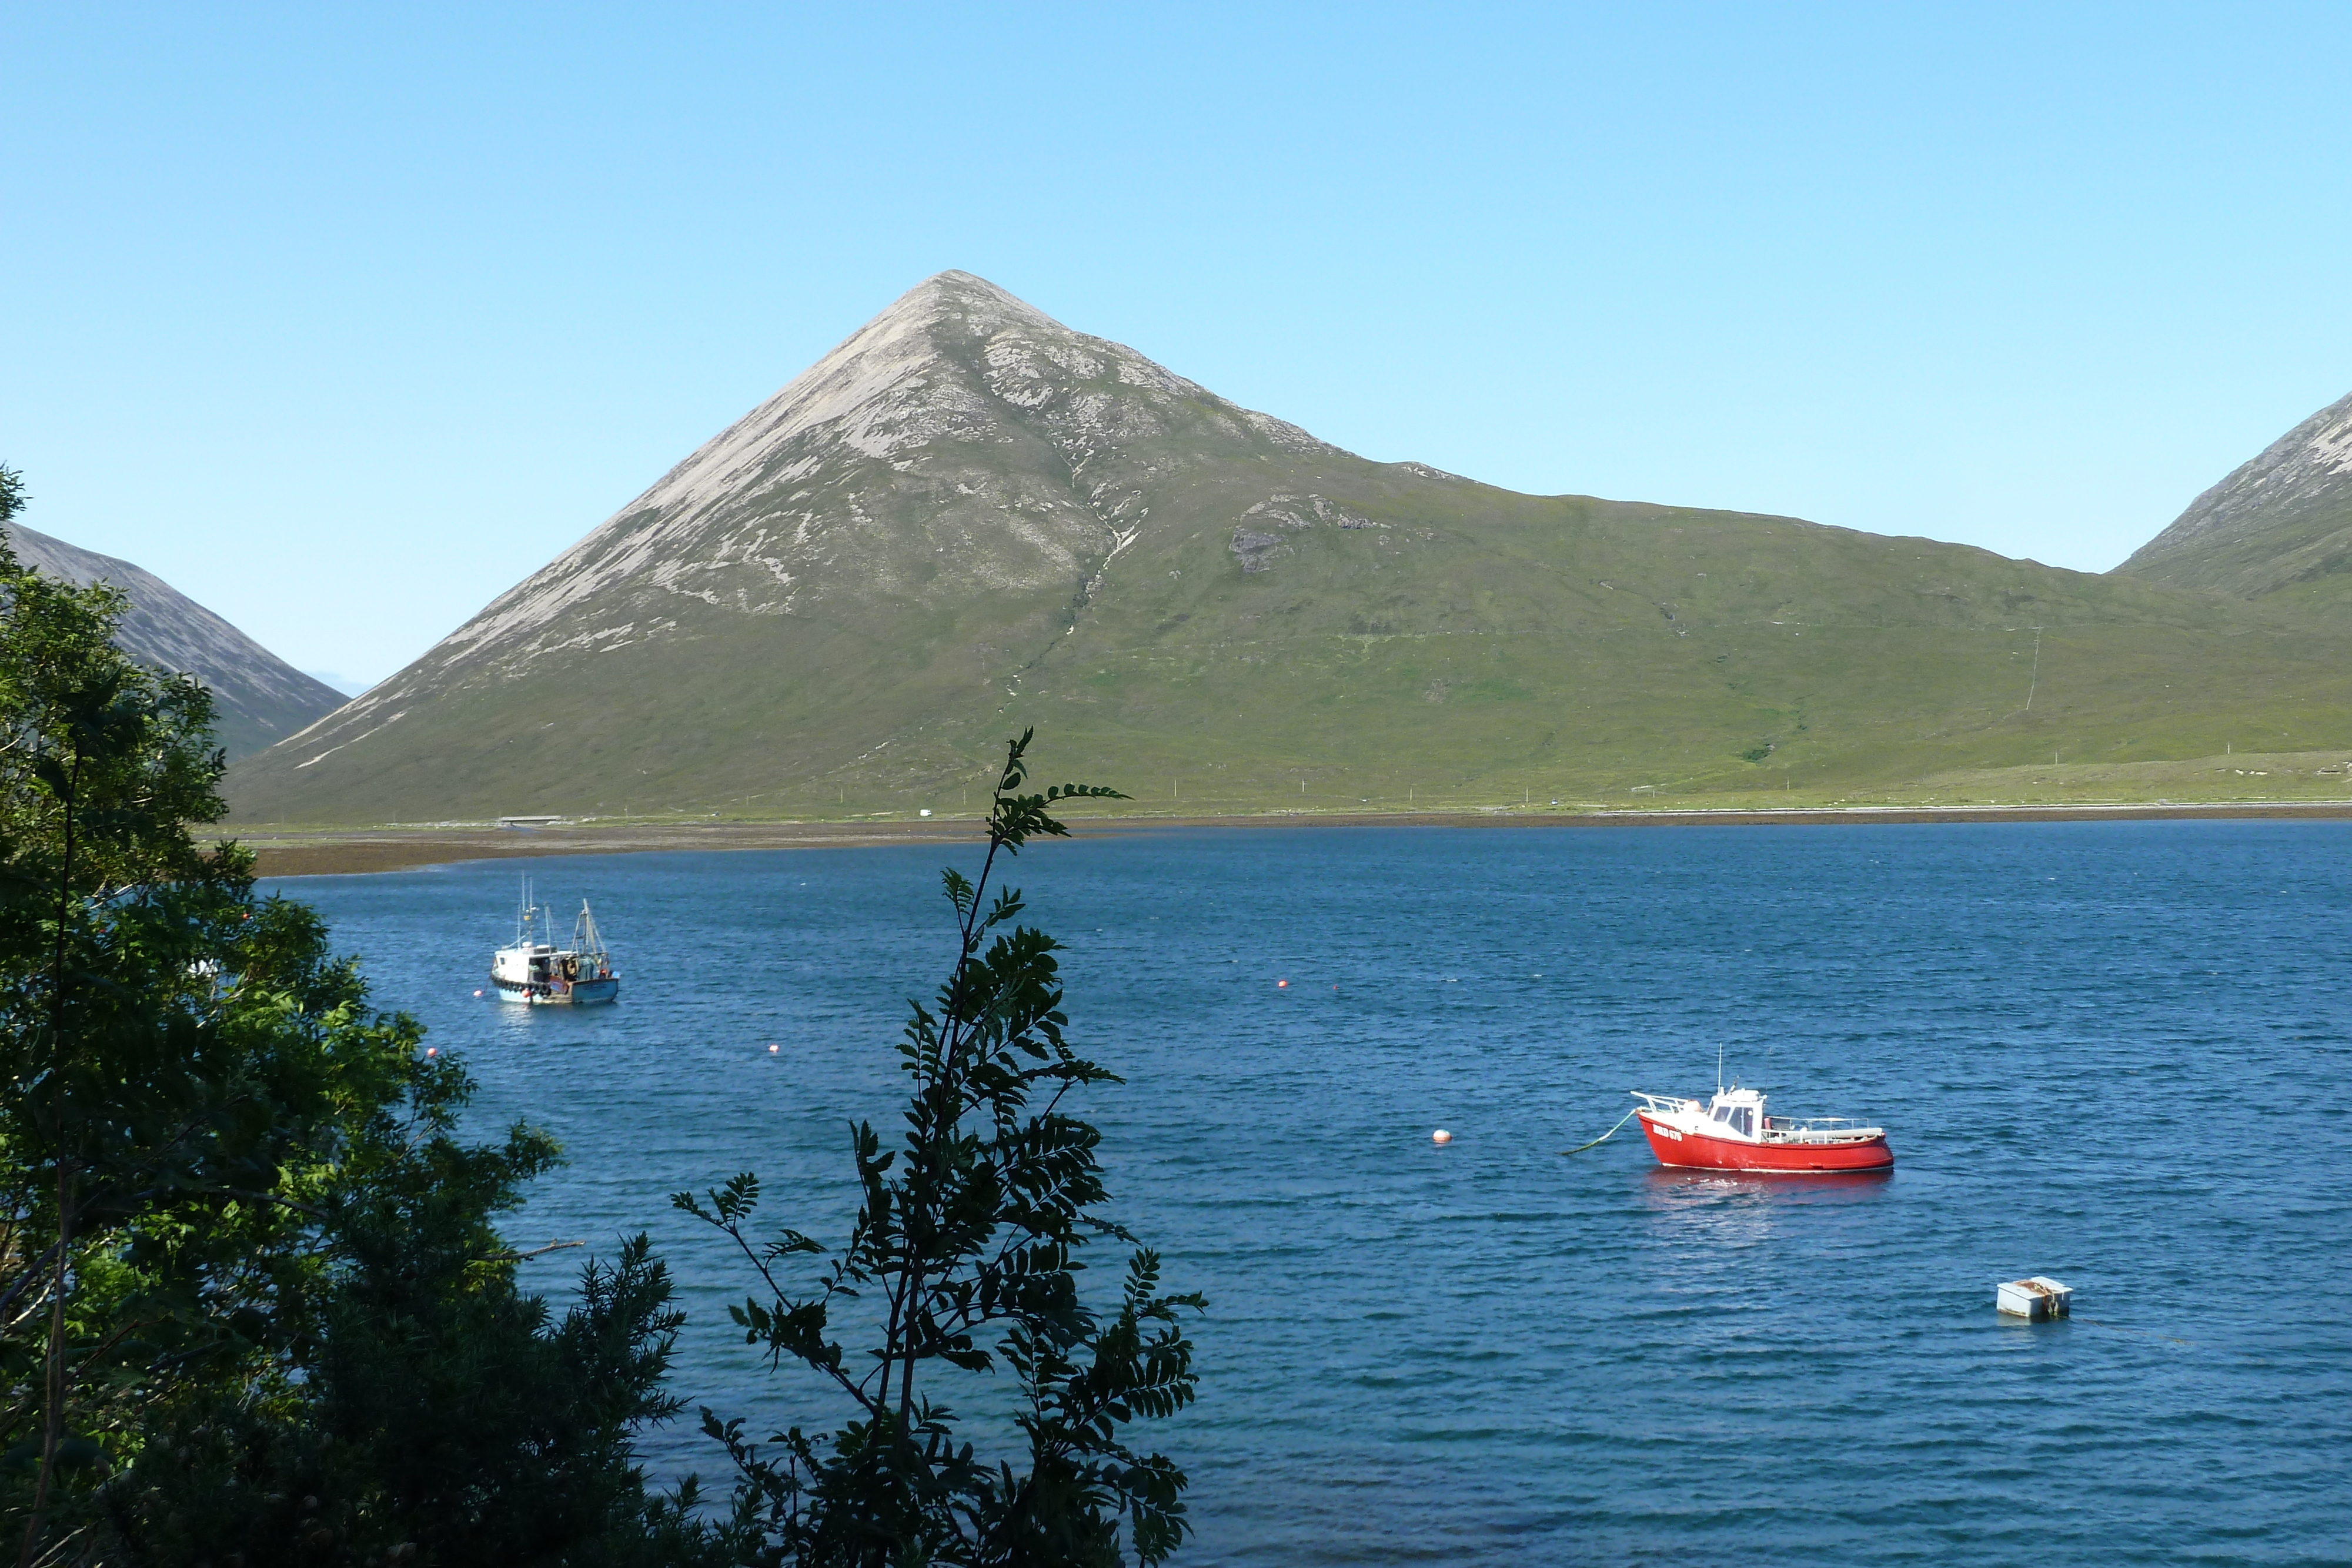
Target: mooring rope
1603,1138
2123,1328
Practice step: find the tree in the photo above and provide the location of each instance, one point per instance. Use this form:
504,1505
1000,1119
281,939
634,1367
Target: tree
108,914
252,1294
419,1406
967,1248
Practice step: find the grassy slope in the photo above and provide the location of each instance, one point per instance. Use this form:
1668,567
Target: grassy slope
1481,645
1578,648
2303,565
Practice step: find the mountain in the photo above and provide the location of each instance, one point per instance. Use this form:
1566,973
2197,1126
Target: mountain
968,517
2279,525
258,698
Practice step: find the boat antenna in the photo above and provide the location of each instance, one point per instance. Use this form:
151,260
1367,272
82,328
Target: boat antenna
1718,1066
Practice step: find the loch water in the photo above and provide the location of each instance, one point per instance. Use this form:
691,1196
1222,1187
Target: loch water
2112,1053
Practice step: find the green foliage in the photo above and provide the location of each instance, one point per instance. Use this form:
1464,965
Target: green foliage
442,1419
965,1252
251,1292
130,1153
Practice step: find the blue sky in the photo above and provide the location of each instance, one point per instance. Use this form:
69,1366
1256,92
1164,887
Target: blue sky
345,319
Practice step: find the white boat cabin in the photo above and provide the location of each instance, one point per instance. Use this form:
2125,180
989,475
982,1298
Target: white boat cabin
538,964
1739,1115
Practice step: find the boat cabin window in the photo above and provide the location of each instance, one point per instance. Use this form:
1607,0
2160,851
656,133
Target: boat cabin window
1743,1121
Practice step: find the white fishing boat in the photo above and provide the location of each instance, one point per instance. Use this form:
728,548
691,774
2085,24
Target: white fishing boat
536,971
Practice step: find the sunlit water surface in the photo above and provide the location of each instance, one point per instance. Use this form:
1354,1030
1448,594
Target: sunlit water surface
2115,1054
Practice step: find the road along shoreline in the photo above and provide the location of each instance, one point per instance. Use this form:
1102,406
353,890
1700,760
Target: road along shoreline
289,852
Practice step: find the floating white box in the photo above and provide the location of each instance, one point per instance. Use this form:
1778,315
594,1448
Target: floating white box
2034,1299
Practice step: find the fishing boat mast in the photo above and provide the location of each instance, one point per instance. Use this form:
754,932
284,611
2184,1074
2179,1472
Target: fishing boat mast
586,939
522,916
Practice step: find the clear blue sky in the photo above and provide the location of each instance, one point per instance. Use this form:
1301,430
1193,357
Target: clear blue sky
345,319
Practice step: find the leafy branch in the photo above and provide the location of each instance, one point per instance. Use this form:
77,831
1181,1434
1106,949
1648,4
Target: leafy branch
966,1246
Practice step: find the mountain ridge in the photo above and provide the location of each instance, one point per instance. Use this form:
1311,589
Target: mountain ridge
259,700
968,517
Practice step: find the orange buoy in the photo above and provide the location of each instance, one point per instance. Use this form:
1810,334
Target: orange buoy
1441,1136
432,1051
1280,984
478,993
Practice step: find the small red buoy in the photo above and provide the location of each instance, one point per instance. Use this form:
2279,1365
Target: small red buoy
1441,1136
1280,984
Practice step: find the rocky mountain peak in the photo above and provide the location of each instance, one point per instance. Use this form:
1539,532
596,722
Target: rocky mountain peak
2270,520
961,437
962,462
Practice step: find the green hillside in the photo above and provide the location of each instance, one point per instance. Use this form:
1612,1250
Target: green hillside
2303,563
969,518
1589,649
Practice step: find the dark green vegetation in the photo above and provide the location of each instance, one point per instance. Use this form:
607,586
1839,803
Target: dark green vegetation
969,515
971,1232
252,1299
2279,529
258,699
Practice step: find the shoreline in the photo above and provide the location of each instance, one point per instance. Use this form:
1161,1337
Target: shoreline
356,852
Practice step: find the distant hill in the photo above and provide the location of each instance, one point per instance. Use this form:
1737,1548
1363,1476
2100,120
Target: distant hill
968,517
2279,525
258,698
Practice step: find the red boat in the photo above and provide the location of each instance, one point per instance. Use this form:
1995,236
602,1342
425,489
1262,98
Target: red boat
1731,1133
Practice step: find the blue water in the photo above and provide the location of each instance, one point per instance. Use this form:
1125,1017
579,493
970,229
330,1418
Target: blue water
2114,1052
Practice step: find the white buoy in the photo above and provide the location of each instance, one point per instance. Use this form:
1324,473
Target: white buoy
774,1049
924,813
1441,1136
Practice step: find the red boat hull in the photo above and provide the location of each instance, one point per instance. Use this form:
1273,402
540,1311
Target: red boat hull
1698,1152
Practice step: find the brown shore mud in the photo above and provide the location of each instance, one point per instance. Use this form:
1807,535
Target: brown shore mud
281,853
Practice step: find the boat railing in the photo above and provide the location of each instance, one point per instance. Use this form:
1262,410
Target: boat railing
1665,1105
1818,1129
